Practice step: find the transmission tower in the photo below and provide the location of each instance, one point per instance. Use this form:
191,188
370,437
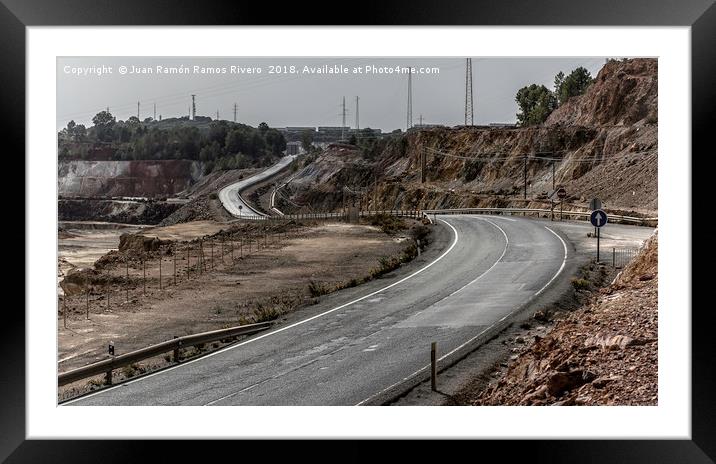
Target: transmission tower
137,110
409,123
468,93
192,113
343,126
155,112
357,125
235,108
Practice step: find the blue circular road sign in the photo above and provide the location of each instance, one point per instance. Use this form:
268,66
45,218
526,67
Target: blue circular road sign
598,218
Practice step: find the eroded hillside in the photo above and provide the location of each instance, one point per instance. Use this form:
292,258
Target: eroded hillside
603,143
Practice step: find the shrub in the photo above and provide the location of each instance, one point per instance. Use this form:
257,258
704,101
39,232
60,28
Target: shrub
316,289
580,284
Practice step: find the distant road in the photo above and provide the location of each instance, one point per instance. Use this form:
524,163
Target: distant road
359,343
230,195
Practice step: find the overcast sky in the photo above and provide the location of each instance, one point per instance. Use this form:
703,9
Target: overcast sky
304,98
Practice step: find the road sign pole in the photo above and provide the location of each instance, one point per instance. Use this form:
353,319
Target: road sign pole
598,234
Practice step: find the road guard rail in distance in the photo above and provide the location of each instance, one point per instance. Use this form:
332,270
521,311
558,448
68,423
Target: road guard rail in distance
427,213
539,211
116,362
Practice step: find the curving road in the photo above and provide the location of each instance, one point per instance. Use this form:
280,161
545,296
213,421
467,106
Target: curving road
360,343
230,195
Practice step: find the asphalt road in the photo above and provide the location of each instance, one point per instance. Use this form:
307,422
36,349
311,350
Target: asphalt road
364,343
230,195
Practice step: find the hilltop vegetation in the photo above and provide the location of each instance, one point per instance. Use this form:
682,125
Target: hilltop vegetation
218,144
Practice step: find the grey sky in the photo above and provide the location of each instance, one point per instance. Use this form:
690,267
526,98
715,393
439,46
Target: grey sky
305,99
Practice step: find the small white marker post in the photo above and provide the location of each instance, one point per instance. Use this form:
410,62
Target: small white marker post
433,366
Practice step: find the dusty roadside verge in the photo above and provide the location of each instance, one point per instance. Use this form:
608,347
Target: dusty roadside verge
293,270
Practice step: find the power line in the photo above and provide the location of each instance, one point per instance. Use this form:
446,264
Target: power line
518,156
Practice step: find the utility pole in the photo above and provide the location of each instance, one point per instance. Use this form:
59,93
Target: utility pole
422,166
525,174
409,118
217,115
469,112
137,110
357,124
343,126
155,112
421,120
235,109
192,112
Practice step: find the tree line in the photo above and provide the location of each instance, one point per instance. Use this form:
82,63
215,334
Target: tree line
536,102
219,144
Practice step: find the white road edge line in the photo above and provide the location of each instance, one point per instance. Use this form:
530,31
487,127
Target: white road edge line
455,240
564,262
478,335
507,242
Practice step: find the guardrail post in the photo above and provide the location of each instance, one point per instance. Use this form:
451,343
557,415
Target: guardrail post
108,374
433,367
176,351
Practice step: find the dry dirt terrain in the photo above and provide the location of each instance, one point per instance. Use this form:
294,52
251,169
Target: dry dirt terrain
262,284
604,353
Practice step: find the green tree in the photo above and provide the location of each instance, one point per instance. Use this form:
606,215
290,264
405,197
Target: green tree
307,140
275,141
210,152
104,124
263,127
575,84
237,141
536,103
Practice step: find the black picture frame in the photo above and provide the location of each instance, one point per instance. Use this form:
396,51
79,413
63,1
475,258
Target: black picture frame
700,15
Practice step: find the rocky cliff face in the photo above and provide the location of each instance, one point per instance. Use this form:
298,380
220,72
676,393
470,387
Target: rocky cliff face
149,179
601,144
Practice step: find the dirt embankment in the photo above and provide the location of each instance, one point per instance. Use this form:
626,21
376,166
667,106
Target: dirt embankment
604,144
604,353
204,203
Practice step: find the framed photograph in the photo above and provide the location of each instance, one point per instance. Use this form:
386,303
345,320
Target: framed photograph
304,224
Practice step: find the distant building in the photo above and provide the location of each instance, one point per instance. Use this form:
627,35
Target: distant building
293,148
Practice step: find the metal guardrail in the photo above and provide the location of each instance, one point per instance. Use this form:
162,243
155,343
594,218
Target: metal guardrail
176,344
541,212
578,214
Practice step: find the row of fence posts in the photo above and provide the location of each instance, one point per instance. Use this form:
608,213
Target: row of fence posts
201,266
